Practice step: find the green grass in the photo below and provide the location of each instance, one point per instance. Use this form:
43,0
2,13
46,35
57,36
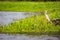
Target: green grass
34,24
29,6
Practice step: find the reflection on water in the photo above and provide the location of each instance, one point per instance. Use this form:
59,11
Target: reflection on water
26,37
7,17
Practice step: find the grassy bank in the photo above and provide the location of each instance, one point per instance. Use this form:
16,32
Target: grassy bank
29,6
34,24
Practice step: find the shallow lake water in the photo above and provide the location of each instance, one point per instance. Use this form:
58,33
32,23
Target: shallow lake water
27,37
8,17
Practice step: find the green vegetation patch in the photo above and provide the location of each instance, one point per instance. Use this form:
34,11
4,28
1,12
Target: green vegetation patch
29,6
36,24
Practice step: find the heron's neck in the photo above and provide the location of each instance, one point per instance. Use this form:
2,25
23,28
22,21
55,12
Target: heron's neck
47,17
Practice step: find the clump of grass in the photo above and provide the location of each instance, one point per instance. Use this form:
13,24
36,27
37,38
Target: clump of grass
36,24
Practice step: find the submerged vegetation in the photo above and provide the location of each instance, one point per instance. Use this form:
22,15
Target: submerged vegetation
33,24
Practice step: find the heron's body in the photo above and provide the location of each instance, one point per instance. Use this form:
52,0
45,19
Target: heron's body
47,17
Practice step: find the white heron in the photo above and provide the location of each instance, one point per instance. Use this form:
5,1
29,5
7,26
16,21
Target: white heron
54,21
